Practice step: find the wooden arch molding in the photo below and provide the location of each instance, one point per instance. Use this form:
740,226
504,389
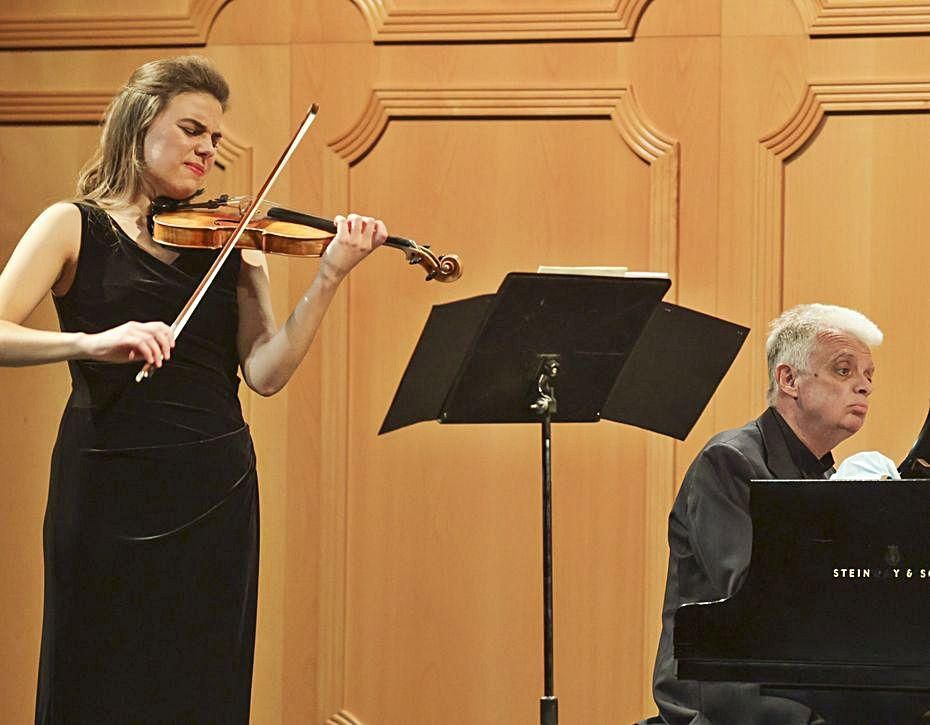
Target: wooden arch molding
774,151
73,107
615,104
879,17
343,718
235,158
389,24
106,31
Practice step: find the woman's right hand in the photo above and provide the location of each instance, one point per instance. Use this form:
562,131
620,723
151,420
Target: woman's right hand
131,342
46,259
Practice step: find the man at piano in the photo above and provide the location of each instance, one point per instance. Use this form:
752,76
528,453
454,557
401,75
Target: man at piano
820,377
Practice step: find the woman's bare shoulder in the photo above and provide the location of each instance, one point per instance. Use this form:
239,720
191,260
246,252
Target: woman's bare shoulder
60,216
47,254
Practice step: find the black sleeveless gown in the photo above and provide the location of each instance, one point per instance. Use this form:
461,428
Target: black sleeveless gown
151,527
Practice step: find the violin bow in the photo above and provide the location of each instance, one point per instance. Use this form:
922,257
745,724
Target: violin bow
181,321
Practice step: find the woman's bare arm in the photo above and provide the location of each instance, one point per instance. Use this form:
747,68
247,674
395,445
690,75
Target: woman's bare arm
45,260
269,356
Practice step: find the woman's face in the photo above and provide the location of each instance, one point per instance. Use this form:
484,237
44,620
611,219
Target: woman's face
180,146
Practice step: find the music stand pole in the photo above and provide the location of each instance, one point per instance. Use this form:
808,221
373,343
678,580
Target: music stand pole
545,406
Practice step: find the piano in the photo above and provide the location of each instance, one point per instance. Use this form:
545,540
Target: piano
834,610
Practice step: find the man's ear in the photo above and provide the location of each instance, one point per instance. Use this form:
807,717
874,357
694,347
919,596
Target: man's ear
787,379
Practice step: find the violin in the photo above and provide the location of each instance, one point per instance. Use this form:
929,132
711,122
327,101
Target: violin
209,224
215,230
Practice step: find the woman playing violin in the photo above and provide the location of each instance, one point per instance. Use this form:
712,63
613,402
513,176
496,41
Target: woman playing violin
151,527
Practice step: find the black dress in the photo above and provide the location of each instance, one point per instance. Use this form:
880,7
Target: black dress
151,528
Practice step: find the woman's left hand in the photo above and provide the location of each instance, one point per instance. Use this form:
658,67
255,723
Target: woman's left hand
356,236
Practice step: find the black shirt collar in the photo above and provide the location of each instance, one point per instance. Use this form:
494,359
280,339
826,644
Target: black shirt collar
808,464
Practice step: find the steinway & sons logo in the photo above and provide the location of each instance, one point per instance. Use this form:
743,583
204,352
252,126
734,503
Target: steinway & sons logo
890,570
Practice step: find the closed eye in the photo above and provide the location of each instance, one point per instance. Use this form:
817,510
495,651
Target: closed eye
198,129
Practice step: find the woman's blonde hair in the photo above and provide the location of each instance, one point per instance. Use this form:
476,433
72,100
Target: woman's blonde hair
115,171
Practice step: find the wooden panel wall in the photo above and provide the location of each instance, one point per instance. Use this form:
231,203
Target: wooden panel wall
763,152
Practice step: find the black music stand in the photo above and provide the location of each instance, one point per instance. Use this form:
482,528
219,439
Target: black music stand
609,345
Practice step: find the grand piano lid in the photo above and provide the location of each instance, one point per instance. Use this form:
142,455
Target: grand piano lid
837,593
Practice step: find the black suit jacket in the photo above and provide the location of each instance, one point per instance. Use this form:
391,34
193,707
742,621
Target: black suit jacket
710,541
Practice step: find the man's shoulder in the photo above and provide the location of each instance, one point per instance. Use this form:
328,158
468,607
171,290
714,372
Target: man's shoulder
746,436
737,455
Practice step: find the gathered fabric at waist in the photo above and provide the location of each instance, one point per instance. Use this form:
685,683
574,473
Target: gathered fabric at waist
180,403
148,492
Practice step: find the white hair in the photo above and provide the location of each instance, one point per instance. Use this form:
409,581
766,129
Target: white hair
792,335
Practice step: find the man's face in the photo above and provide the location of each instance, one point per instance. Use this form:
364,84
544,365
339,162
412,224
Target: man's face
833,391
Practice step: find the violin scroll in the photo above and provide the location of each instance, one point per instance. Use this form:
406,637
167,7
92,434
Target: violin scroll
444,268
